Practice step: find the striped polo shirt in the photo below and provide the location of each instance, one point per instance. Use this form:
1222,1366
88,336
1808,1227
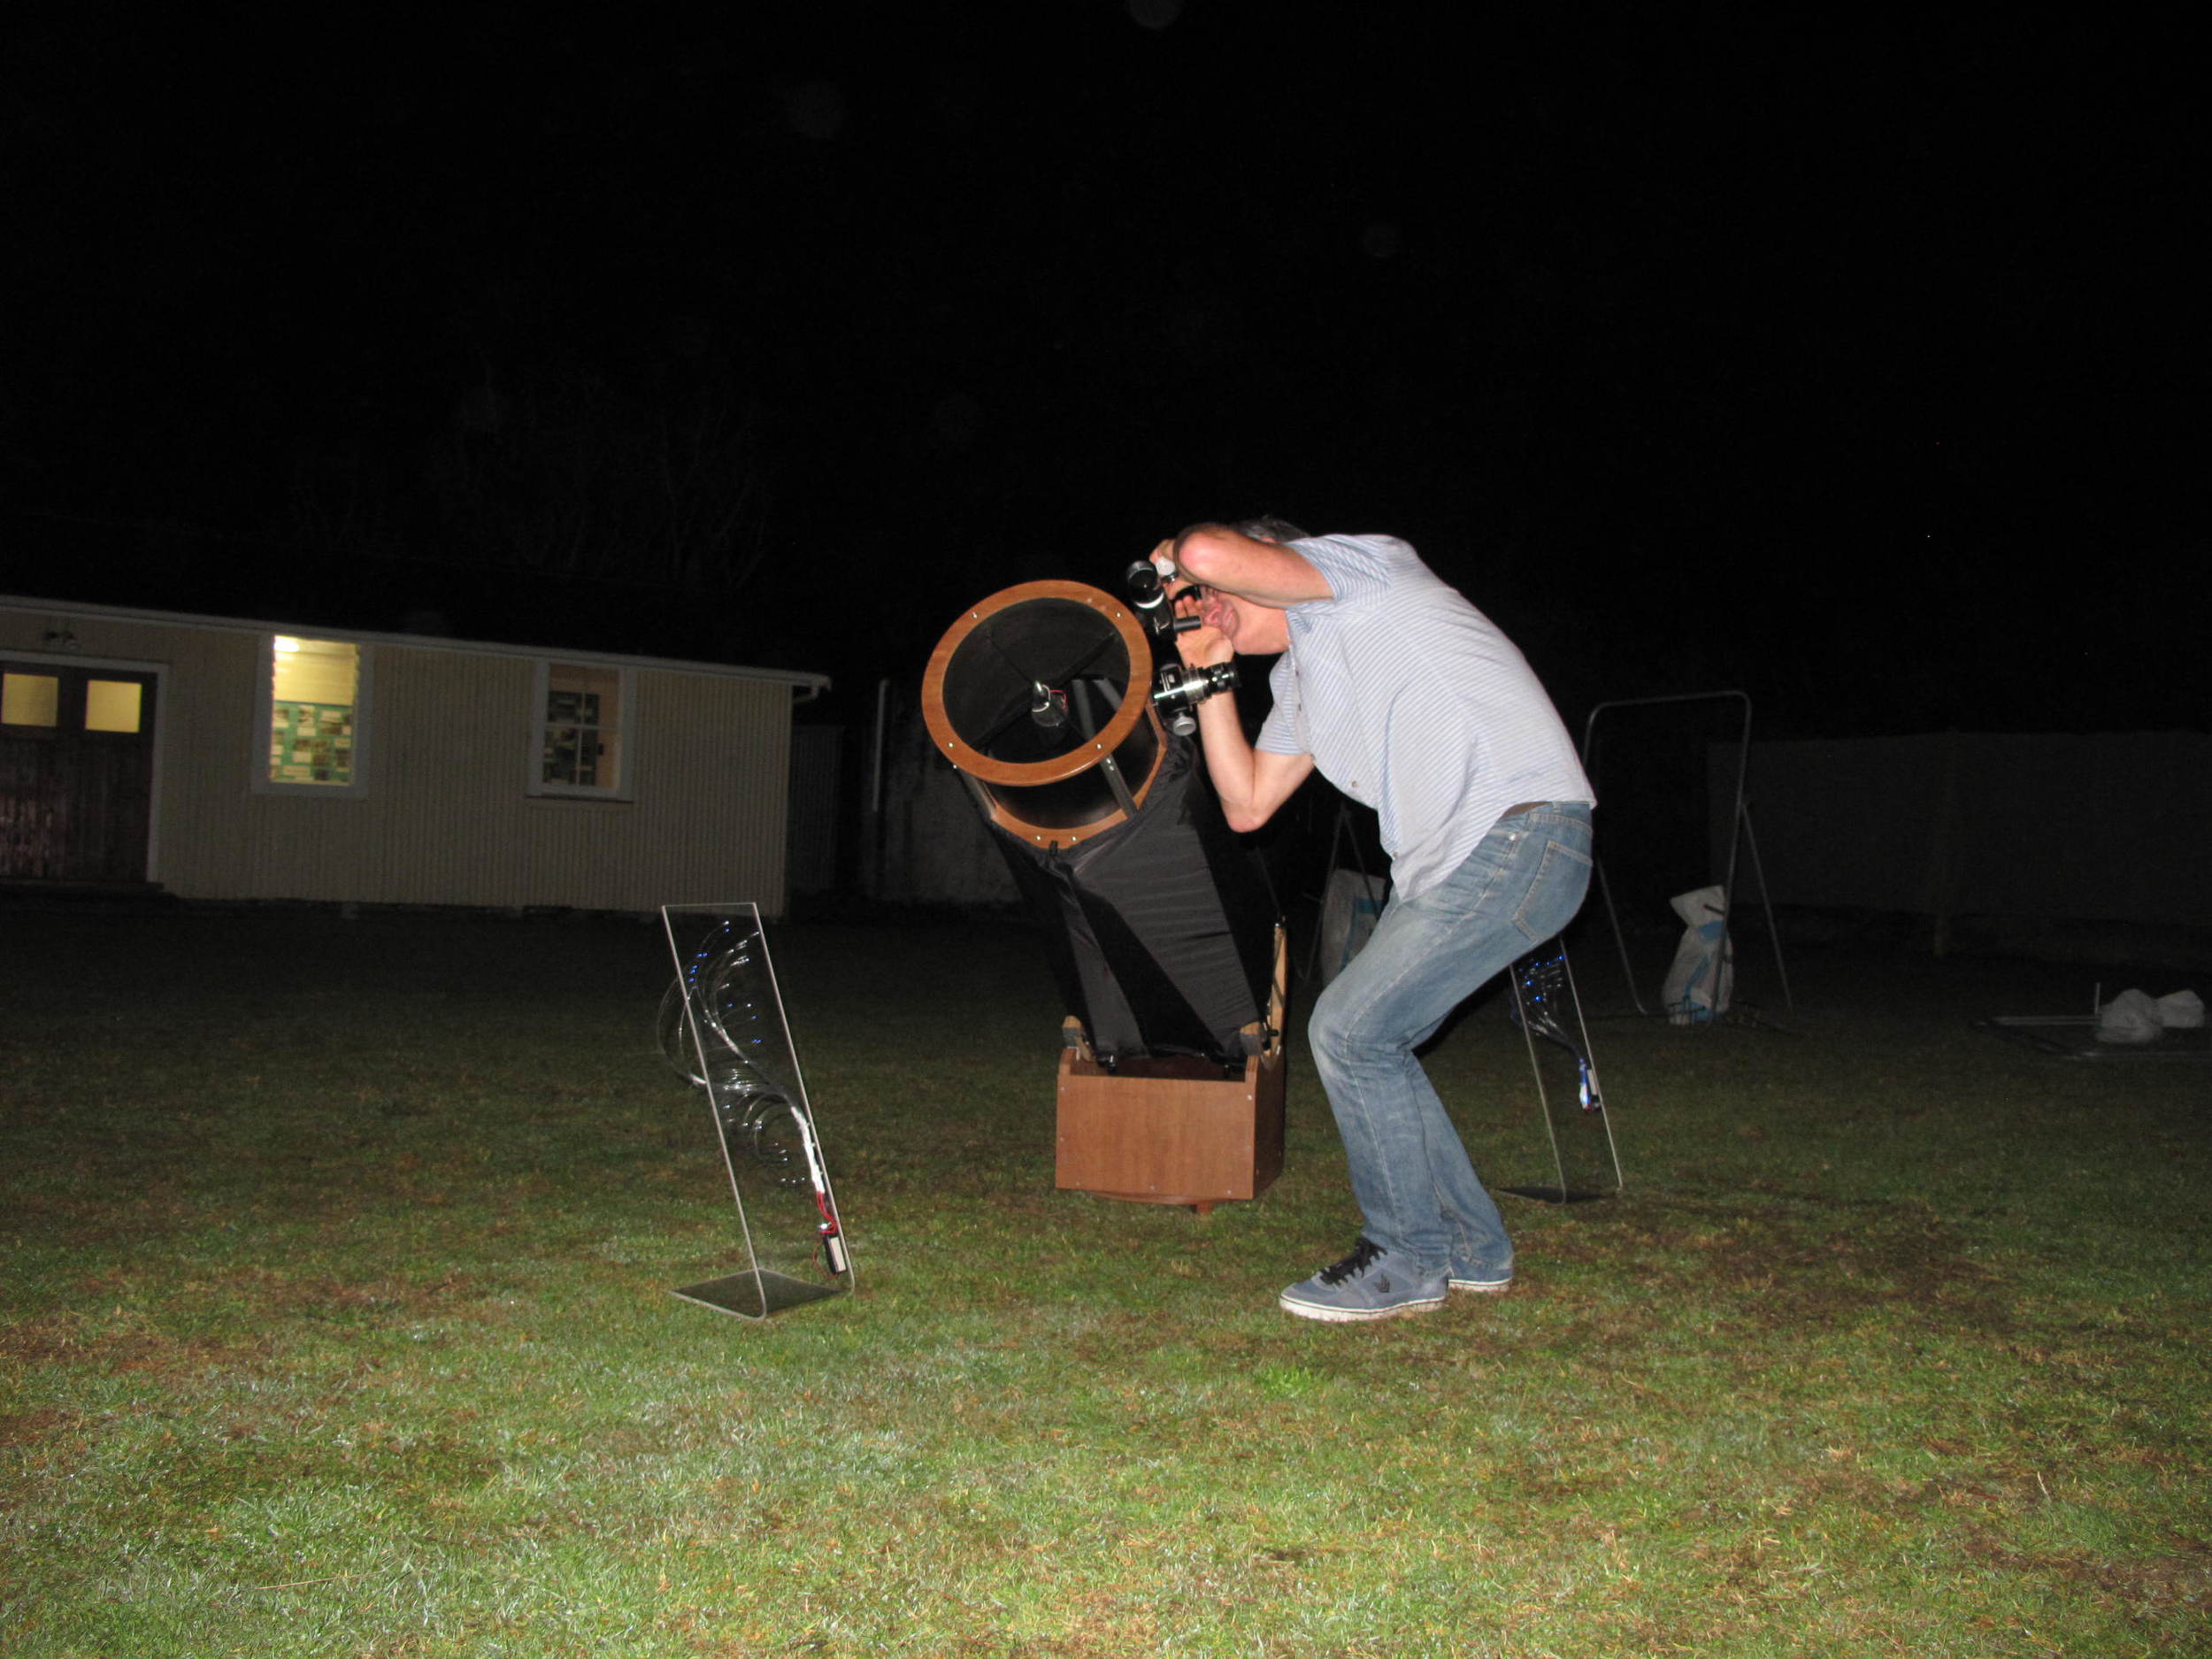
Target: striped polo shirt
1410,701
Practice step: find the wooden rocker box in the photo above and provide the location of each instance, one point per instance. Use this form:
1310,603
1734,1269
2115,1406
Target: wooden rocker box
1175,1129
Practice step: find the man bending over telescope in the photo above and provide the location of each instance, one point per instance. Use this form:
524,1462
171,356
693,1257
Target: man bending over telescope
1409,701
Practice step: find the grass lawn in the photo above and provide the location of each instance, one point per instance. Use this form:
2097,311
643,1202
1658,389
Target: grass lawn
336,1322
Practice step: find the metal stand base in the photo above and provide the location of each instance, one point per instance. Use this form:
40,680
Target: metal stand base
1553,1194
756,1295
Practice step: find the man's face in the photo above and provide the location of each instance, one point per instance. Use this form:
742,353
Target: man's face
1252,629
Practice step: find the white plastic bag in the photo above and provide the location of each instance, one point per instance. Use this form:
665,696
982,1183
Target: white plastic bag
2136,1016
1701,981
2181,1011
2130,1017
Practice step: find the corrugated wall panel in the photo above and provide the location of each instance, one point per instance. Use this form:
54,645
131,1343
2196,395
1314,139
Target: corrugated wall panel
446,769
445,819
726,799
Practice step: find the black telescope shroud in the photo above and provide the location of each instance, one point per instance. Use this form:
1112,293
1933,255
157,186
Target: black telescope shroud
1159,930
1159,925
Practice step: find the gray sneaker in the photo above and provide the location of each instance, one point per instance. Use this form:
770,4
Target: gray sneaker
1482,1281
1365,1285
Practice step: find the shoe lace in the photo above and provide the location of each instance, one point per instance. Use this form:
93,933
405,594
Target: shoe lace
1362,1253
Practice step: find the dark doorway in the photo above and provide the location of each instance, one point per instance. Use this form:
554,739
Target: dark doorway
76,771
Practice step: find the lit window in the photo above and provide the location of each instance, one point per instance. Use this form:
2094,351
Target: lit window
313,717
580,740
78,699
29,700
112,705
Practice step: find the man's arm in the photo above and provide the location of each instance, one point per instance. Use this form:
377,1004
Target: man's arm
1265,572
1251,782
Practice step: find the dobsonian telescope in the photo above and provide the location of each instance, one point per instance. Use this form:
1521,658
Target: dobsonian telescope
1165,945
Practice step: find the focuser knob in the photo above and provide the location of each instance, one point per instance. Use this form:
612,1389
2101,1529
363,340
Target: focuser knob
1178,689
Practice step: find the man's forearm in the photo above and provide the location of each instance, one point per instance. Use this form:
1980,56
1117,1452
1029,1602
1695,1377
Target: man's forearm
1250,782
1263,571
1229,760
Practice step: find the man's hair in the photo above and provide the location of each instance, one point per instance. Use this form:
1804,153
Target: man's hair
1261,529
1266,529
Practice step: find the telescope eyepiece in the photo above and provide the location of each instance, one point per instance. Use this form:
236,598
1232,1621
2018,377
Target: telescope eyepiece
1149,594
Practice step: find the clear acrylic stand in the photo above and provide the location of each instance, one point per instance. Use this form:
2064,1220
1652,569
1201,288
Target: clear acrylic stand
722,1027
1573,1105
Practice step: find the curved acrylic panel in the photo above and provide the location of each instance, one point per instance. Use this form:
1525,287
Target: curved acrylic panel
1577,1119
722,1026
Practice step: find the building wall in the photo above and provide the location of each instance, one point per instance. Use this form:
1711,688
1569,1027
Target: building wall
444,818
2106,828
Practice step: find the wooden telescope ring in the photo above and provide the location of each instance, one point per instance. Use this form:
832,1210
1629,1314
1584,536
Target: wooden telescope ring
1053,787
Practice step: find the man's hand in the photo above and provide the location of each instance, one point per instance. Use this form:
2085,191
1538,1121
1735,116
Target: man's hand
1250,785
1200,647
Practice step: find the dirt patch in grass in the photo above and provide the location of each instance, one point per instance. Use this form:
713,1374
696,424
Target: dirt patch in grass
121,1342
422,1469
93,1218
1795,1269
2158,1589
36,1445
108,1331
276,1293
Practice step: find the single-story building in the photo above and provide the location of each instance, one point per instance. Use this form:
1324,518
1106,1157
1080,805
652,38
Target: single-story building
220,758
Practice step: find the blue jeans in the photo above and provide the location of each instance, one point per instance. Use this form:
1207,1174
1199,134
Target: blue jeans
1414,1184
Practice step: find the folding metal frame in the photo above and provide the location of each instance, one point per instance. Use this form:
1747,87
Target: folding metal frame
1740,835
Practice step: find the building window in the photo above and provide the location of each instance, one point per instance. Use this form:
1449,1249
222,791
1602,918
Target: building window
312,724
116,706
580,742
30,700
112,705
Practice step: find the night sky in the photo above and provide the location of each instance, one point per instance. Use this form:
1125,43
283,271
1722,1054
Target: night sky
1859,365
